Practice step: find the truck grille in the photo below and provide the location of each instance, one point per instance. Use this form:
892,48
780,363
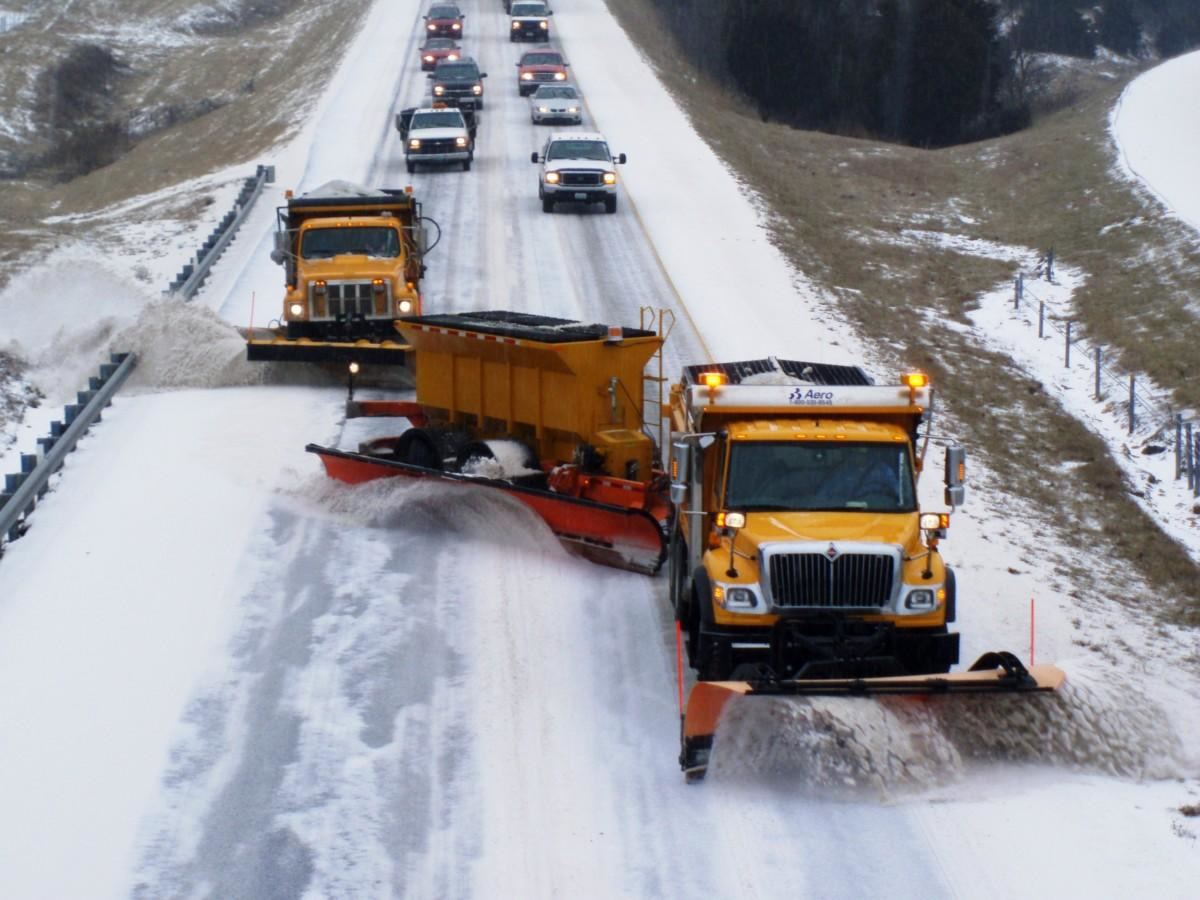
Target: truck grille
580,179
814,580
345,299
437,145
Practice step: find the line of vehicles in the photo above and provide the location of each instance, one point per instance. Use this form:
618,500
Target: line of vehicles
780,495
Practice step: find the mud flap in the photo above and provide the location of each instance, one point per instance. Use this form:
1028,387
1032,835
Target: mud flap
997,672
617,536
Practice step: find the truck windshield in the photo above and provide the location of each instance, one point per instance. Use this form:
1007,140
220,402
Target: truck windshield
326,243
579,150
451,118
874,477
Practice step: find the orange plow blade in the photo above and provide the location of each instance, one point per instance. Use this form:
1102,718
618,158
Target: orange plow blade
998,672
623,537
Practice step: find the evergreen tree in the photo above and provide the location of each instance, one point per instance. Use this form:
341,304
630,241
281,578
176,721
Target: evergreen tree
1119,29
1054,26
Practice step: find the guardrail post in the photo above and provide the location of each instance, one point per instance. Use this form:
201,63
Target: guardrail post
1099,358
1067,355
1041,318
1018,289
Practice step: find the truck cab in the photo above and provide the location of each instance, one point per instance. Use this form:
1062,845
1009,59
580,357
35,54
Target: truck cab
352,260
798,546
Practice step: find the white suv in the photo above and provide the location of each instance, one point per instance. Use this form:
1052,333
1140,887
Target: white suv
577,166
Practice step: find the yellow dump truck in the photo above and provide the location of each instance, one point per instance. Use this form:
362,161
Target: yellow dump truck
799,548
353,261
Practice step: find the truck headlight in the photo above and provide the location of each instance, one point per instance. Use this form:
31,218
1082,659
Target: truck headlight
610,177
572,109
515,25
428,58
296,309
527,76
414,143
477,89
456,27
922,598
404,306
439,89
460,142
543,109
543,25
551,178
560,76
734,597
431,26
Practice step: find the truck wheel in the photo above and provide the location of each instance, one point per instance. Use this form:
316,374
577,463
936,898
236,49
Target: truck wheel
411,166
610,204
547,205
466,165
419,447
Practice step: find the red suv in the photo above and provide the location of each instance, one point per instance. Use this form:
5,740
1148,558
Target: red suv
444,20
540,67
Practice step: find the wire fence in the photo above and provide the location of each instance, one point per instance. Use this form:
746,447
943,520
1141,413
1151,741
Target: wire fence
1146,412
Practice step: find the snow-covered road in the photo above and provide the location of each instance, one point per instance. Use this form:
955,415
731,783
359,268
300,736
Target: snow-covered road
222,675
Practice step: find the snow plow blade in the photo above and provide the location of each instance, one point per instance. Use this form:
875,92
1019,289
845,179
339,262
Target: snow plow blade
998,672
618,536
280,349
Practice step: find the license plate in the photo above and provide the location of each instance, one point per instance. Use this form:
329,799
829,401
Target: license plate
579,195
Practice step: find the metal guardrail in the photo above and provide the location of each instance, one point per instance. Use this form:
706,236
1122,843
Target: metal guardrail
22,491
192,276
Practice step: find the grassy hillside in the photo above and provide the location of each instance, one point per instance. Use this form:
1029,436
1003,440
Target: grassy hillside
841,210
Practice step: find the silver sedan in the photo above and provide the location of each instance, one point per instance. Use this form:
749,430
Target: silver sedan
556,103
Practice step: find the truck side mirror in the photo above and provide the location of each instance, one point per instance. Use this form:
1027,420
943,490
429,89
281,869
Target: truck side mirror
279,254
533,157
680,466
956,476
621,158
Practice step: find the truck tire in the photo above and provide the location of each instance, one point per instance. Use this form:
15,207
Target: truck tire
547,205
419,447
466,165
411,166
610,204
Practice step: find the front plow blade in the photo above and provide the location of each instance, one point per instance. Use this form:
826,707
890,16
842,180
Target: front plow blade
994,673
617,536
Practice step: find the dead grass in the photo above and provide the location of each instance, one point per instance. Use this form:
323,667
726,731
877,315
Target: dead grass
838,205
192,97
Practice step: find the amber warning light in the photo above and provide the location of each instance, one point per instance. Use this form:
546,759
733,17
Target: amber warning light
916,380
713,379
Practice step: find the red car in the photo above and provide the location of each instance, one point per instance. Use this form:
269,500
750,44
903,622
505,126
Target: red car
540,67
444,20
436,49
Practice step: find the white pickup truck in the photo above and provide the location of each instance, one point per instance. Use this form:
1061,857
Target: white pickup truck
437,135
578,167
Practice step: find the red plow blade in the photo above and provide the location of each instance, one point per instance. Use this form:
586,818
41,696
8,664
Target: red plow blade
618,536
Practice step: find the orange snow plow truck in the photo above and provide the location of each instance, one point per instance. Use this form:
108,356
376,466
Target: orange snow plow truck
352,260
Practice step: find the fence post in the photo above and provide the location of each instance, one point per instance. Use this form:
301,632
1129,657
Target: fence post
1050,265
1132,401
1067,355
1041,318
1178,444
1099,357
1018,290
1191,469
